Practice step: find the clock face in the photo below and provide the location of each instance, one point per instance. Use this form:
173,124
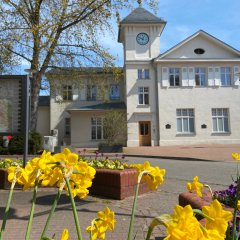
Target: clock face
142,38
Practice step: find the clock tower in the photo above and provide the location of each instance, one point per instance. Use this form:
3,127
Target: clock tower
140,33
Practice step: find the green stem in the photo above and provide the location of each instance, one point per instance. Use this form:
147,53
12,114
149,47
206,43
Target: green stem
135,204
51,212
32,209
235,209
5,217
74,209
149,233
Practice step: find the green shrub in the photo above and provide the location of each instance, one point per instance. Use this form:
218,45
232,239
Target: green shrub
16,145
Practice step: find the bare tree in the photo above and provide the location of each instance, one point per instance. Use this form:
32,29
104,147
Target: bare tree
54,33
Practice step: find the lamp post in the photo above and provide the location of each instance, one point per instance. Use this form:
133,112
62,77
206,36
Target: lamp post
27,91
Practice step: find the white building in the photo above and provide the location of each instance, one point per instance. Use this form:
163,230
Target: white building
187,95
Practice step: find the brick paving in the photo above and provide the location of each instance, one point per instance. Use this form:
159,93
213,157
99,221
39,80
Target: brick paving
206,152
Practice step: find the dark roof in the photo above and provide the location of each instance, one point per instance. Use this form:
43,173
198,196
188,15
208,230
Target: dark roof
82,70
141,15
44,101
102,106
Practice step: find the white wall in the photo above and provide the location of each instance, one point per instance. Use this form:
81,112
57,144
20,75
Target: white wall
43,121
202,100
212,50
136,112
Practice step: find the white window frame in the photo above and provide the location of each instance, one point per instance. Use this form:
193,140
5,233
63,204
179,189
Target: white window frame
185,114
173,72
97,123
143,73
68,126
201,75
91,96
221,115
67,92
224,76
144,93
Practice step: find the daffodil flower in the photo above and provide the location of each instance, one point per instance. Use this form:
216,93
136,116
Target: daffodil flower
236,156
195,185
220,217
153,175
65,235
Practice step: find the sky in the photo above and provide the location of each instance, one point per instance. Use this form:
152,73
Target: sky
220,18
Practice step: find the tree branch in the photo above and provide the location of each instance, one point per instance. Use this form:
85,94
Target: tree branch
18,54
79,19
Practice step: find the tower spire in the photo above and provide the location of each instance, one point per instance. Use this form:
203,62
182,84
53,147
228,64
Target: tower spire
139,3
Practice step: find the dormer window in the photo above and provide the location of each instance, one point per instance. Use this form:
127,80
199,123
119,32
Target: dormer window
199,51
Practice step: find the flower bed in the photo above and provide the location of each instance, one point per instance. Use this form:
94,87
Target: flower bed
116,184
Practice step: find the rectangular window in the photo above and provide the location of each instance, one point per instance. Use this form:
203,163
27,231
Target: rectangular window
91,92
97,128
174,77
143,95
67,92
185,120
67,126
200,76
220,120
143,74
114,92
225,76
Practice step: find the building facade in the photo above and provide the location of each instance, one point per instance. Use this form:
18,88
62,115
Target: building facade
188,95
79,100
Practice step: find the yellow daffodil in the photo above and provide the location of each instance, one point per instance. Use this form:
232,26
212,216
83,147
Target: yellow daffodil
238,205
219,215
236,156
81,179
154,177
184,225
195,185
66,157
106,220
65,235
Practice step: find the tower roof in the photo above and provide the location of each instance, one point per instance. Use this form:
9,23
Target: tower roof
141,15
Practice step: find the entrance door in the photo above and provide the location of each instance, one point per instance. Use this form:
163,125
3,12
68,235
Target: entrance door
144,133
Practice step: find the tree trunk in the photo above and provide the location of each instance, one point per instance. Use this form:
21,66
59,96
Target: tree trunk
35,90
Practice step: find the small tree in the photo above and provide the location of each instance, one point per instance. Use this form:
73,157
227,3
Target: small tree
115,128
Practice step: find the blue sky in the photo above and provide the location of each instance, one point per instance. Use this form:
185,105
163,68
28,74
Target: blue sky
220,18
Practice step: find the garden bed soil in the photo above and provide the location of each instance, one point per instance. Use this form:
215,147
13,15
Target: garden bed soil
116,184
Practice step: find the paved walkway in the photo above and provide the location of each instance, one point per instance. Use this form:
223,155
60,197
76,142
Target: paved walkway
206,152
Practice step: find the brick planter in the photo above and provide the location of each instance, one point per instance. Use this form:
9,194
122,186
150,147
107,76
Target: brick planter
116,184
196,202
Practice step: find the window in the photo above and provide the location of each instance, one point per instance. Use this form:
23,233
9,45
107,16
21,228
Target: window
143,74
114,92
143,95
199,51
200,76
174,77
220,120
185,120
97,128
67,126
91,92
225,76
67,92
